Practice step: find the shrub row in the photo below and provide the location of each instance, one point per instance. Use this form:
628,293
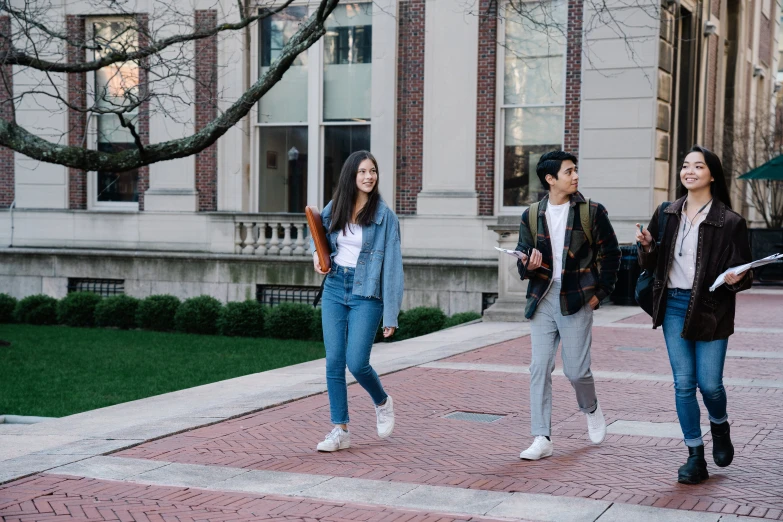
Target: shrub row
202,315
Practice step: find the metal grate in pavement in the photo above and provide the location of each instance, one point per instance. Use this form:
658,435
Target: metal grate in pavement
634,349
473,417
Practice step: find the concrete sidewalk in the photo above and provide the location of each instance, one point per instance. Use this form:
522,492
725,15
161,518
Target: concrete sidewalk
244,448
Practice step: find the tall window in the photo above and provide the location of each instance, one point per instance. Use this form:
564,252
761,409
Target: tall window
342,122
347,87
282,115
533,94
116,87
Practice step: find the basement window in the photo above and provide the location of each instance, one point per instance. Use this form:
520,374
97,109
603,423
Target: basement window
102,287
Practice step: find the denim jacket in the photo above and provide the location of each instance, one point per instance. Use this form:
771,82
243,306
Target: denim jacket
379,267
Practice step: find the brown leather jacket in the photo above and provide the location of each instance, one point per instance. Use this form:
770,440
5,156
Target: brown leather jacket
723,243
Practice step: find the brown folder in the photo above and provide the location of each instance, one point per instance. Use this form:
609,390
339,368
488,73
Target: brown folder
318,233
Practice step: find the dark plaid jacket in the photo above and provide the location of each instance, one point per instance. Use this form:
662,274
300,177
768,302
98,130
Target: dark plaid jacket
581,278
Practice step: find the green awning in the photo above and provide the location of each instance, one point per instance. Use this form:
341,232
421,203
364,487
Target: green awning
773,169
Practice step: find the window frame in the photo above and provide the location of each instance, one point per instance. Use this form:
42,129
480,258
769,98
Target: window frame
500,112
91,128
316,125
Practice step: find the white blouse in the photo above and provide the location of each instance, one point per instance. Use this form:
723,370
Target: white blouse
686,245
349,245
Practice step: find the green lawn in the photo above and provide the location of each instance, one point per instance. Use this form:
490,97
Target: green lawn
53,371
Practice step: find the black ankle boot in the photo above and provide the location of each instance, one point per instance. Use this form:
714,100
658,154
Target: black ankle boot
694,470
722,448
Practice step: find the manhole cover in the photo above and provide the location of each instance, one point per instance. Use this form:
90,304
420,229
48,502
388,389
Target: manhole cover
473,417
634,349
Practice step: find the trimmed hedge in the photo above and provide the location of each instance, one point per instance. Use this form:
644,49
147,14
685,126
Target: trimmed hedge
78,309
36,309
290,321
206,315
420,321
464,317
118,311
198,315
242,319
7,305
157,312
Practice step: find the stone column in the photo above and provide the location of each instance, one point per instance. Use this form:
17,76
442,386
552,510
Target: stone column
510,305
450,101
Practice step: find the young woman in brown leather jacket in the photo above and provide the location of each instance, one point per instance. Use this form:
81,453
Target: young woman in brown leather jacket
702,238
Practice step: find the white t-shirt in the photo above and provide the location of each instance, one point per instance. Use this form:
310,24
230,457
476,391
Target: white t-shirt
348,246
556,217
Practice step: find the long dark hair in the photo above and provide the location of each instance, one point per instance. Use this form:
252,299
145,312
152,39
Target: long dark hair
718,188
345,196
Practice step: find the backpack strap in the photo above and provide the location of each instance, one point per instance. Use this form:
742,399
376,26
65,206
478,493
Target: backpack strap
584,217
533,223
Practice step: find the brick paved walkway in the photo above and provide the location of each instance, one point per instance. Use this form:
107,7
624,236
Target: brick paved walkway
64,498
427,448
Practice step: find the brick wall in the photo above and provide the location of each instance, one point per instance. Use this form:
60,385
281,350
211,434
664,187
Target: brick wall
142,22
410,104
485,113
7,168
206,110
573,83
77,121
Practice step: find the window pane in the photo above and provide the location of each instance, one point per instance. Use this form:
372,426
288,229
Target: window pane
348,63
286,102
116,86
533,81
339,143
534,49
529,133
283,169
118,186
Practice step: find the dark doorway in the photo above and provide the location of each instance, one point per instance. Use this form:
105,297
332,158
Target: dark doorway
731,51
686,82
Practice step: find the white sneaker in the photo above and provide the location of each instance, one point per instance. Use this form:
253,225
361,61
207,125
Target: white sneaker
337,439
596,425
540,448
385,417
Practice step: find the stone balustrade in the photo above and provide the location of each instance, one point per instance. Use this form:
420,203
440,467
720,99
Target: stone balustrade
271,234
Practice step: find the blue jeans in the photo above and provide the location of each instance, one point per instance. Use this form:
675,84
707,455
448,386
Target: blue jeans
694,363
349,324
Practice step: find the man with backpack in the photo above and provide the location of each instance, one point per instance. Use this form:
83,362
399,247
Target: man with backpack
569,252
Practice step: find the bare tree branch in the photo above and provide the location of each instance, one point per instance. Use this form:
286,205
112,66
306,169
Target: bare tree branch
21,140
13,56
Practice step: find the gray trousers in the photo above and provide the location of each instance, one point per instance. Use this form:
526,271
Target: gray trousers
547,328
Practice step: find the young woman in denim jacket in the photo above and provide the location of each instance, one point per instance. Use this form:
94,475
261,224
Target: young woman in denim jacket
702,238
364,285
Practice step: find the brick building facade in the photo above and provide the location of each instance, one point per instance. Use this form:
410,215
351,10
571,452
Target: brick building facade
451,103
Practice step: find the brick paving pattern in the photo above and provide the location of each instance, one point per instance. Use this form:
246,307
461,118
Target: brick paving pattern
427,448
65,498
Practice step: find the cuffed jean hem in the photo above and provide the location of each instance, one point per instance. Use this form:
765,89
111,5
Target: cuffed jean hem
346,421
718,421
694,443
590,409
